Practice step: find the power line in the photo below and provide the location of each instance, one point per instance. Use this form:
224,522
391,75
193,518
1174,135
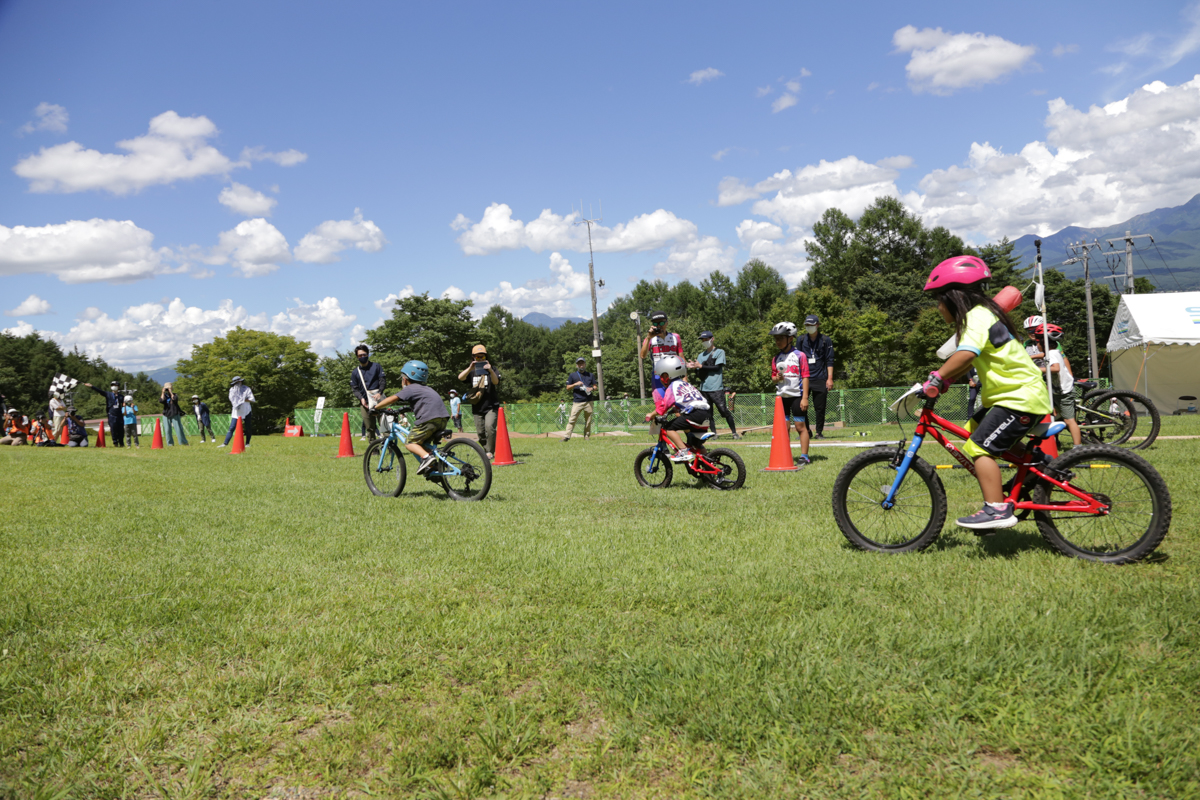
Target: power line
1168,266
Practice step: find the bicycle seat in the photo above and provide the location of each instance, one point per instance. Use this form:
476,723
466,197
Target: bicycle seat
442,436
1086,386
1045,430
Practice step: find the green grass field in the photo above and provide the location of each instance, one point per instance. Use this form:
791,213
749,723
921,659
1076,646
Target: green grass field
190,624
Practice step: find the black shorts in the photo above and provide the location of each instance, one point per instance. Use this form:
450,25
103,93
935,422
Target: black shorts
695,420
999,428
791,408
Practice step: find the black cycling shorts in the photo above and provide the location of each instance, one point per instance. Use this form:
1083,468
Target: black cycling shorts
791,407
694,420
999,428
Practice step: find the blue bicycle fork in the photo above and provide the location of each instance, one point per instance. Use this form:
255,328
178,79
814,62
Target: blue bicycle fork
913,447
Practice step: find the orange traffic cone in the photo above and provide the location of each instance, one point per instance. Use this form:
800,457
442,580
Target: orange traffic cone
157,443
100,436
346,448
502,456
64,439
781,443
239,439
1050,446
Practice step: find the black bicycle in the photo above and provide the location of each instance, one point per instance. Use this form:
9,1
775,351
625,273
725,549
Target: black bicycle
1112,416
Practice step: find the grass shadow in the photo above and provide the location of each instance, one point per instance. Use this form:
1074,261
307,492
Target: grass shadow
1010,544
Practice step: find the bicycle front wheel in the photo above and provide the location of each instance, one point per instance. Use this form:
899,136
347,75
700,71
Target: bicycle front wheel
383,468
732,470
1106,420
656,473
475,471
911,524
1136,497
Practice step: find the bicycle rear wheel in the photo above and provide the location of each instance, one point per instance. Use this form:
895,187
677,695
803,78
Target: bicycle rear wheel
732,469
656,474
1106,421
383,469
471,461
1135,404
912,524
1137,499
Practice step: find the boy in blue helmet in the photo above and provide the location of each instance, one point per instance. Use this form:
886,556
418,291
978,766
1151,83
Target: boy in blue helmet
427,406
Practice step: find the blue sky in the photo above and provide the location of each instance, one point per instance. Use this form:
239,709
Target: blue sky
174,170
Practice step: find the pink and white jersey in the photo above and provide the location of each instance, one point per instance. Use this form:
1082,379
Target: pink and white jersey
684,396
793,366
669,345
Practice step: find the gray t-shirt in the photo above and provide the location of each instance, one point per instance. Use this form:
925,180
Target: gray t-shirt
426,403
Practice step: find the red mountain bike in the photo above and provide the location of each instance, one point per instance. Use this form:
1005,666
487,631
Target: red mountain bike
1096,502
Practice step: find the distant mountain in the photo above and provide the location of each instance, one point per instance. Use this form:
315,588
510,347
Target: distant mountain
544,321
163,375
1176,233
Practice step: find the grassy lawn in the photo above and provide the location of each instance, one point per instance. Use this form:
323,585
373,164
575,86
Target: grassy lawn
190,624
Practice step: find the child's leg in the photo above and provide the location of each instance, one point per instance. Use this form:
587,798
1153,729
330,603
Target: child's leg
416,450
987,472
802,429
674,438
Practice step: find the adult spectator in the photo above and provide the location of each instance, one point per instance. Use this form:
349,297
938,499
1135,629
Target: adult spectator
39,432
77,432
367,382
112,409
484,396
129,413
972,391
173,414
818,350
58,413
711,367
203,418
16,428
456,409
583,386
659,344
240,398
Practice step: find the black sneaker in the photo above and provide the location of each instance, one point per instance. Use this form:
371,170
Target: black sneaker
989,519
426,464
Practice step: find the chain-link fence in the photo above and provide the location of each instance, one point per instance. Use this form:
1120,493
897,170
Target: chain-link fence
848,406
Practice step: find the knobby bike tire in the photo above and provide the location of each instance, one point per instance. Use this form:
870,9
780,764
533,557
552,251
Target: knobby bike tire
911,525
468,456
1132,399
390,481
1099,425
660,478
733,469
1139,502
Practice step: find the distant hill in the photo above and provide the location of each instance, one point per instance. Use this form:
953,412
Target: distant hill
544,321
1176,231
163,375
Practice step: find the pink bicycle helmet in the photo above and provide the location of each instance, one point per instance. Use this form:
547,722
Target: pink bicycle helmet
957,271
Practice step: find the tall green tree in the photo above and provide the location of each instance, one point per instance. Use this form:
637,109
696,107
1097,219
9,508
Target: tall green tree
281,370
438,331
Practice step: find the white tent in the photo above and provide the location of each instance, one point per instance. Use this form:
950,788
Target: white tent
1153,349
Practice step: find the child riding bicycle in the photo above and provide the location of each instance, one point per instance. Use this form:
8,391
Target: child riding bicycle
428,407
1013,396
693,409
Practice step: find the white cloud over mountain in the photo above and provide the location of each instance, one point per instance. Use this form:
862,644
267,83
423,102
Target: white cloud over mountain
942,63
81,251
324,243
243,200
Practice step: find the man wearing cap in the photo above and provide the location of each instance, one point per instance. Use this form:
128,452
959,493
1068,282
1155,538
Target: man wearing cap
817,348
484,397
711,366
202,417
660,344
240,398
583,388
112,408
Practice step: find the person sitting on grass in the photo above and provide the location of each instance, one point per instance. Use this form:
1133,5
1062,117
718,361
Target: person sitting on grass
16,429
693,409
789,370
77,432
428,407
39,433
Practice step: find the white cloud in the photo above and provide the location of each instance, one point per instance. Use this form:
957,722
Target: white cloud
246,201
323,243
768,242
1061,50
385,305
323,324
175,148
255,247
31,306
47,117
23,329
944,62
688,250
763,91
81,251
786,100
701,75
551,296
717,156
895,162
792,86
287,158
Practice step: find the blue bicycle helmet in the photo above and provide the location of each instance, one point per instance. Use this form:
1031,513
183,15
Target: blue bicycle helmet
416,371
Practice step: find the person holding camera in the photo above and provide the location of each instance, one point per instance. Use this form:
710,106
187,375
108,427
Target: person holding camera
368,383
711,365
484,397
659,344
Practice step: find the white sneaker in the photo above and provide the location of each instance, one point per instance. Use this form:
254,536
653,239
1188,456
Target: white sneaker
683,456
221,445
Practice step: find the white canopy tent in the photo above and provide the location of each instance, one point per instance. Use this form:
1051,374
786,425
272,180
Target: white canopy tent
1153,349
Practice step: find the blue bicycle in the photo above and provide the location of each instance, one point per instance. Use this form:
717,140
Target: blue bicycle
462,467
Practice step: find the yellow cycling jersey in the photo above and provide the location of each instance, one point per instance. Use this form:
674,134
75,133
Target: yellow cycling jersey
1007,375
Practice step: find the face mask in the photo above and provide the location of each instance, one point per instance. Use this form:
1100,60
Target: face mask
363,359
810,328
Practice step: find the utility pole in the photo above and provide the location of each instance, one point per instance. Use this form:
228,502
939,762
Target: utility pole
595,319
1129,256
637,348
1085,248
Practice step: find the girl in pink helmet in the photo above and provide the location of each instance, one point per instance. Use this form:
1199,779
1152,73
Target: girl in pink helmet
1013,395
